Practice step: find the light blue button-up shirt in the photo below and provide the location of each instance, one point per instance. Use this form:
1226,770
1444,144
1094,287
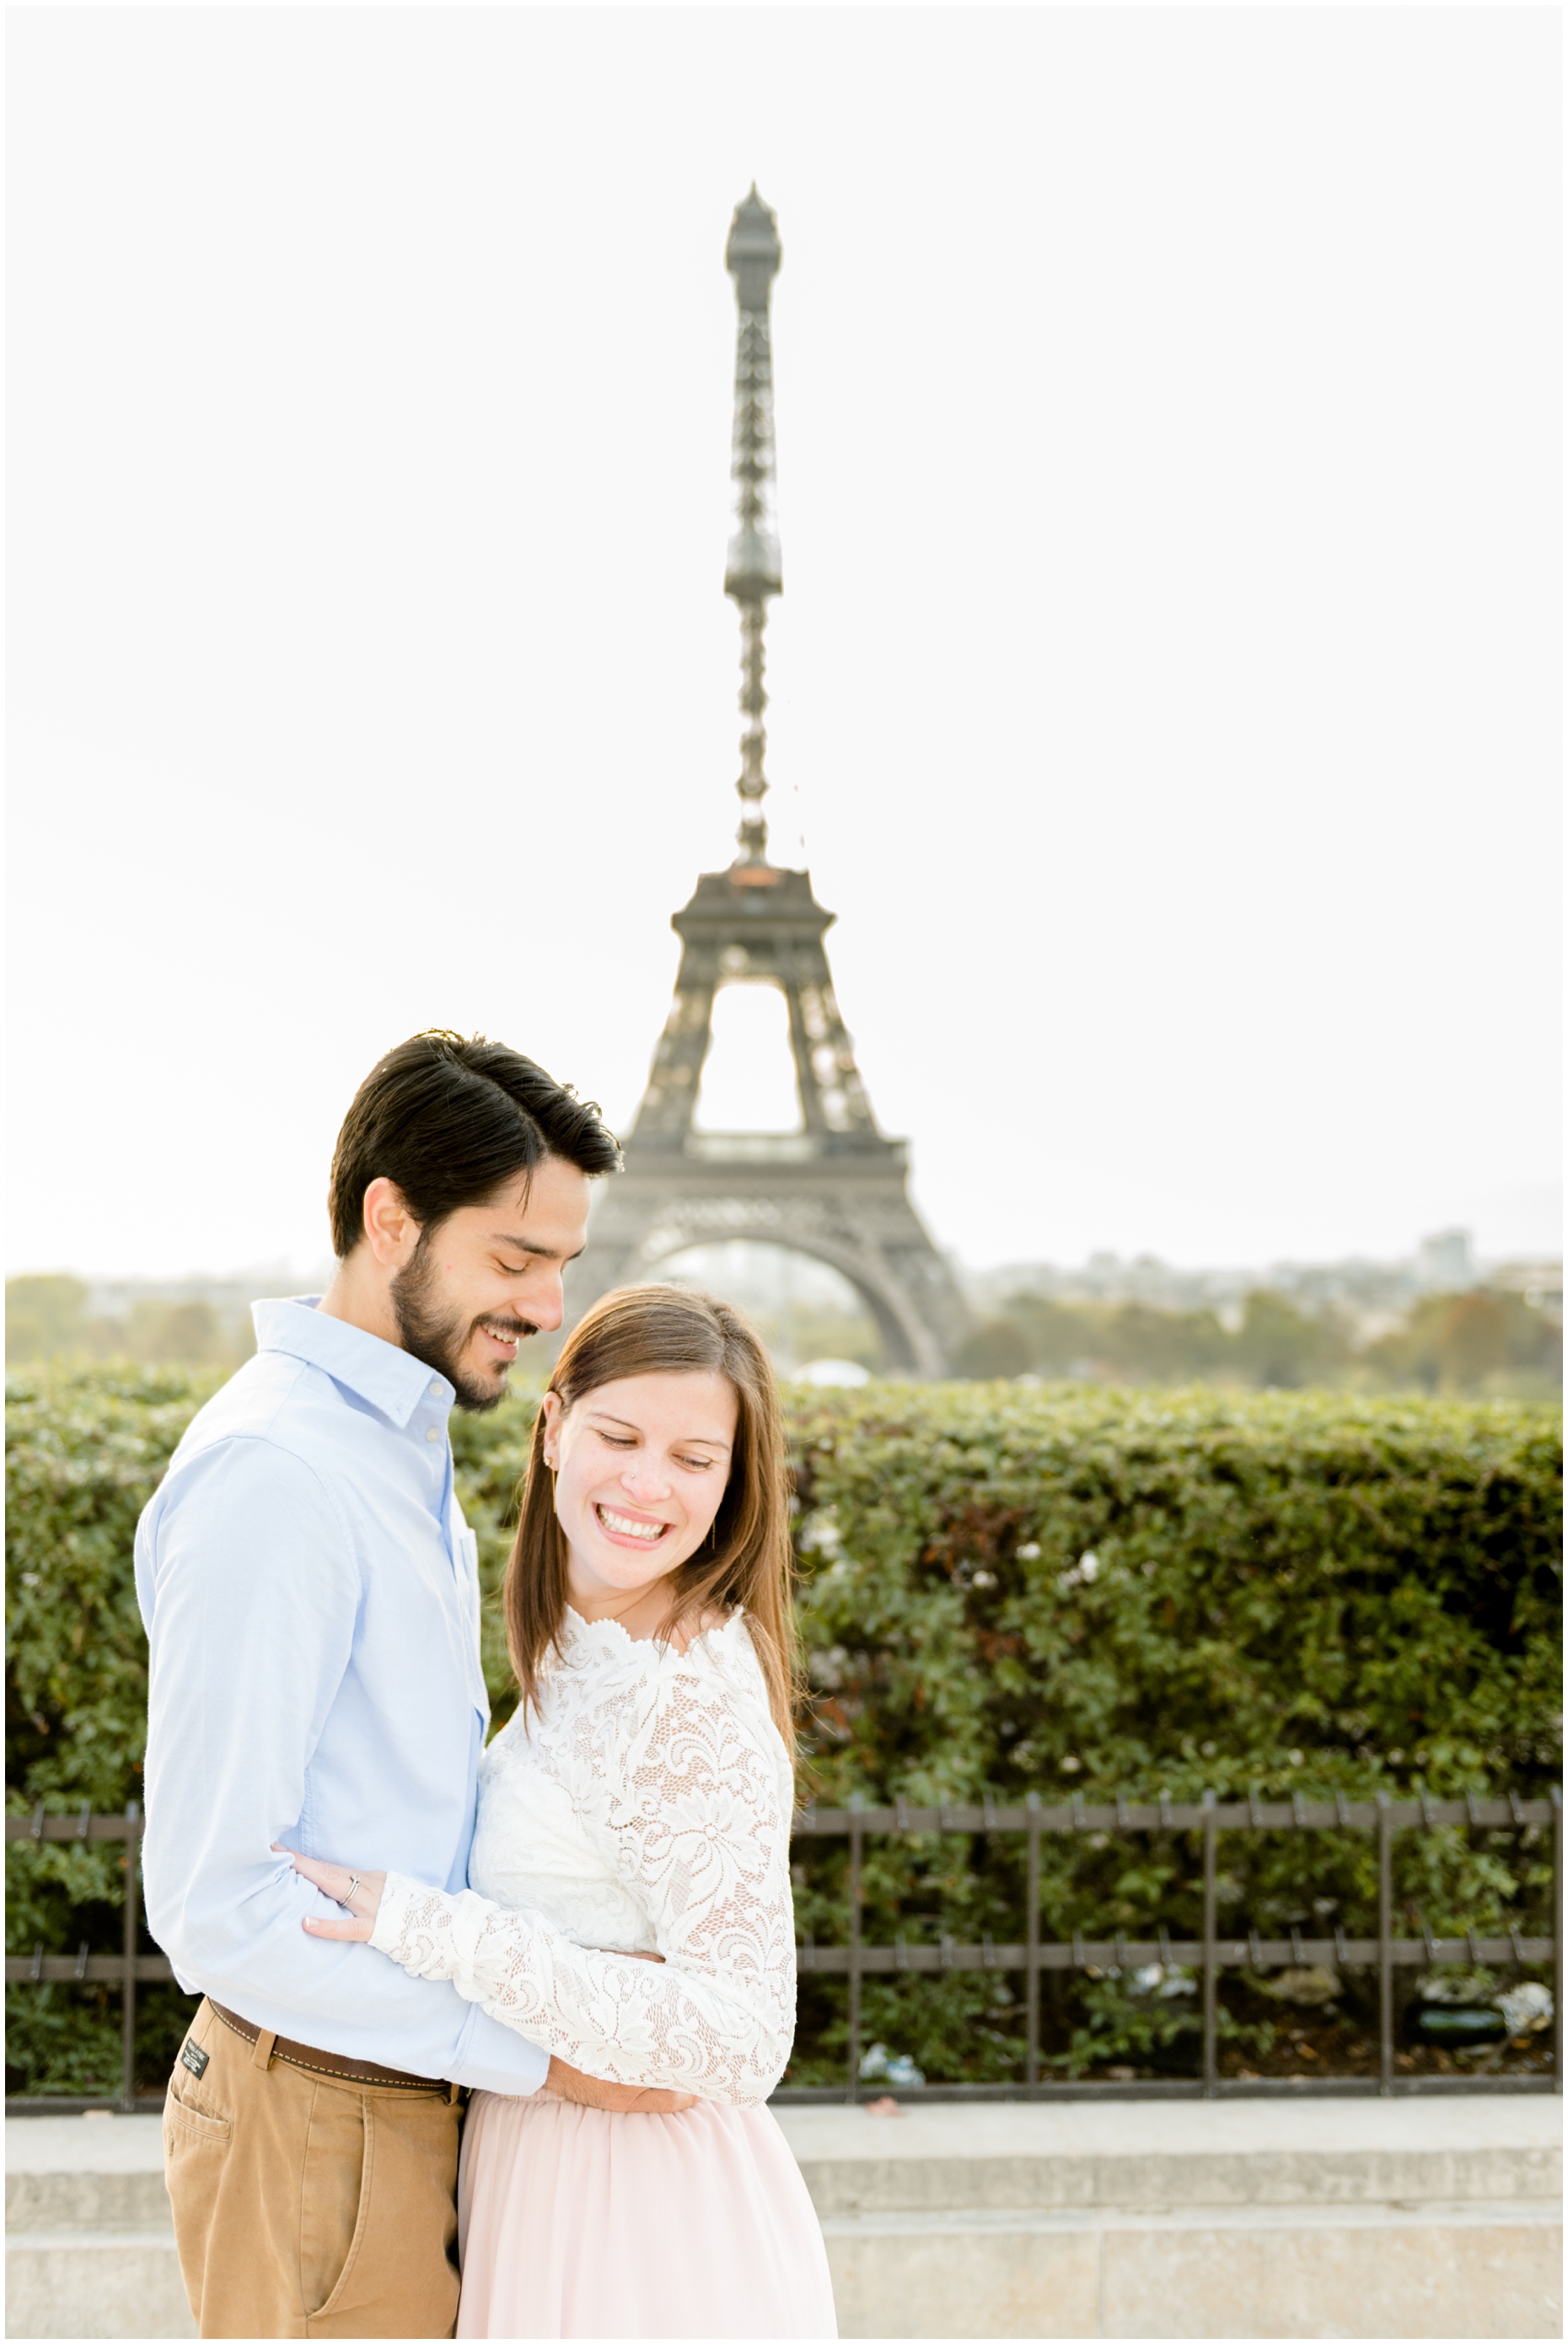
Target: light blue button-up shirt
311,1597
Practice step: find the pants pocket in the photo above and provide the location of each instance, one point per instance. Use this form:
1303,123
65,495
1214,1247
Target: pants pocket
191,2129
334,2186
196,2145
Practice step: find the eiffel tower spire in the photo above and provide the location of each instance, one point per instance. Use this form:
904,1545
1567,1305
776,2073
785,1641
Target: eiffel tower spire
753,570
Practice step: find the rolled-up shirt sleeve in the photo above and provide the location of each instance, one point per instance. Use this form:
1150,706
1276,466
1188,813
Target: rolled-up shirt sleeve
250,1588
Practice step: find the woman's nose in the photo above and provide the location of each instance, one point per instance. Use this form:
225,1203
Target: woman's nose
646,1479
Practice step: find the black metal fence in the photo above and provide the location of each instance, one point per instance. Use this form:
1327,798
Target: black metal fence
1209,1955
127,1969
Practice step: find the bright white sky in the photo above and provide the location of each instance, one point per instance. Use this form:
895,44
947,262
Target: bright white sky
1167,678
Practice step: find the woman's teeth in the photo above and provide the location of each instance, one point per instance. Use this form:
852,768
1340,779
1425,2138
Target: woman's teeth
625,1528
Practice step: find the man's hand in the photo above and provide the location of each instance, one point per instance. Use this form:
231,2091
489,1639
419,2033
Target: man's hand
620,2099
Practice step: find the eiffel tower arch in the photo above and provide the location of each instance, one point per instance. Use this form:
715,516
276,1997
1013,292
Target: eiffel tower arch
835,1189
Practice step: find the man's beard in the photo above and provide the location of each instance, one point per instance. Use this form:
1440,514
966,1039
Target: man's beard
440,1341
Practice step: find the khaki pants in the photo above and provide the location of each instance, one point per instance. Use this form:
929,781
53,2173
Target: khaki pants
306,2205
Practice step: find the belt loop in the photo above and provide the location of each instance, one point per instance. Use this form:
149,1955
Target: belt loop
262,2055
454,2092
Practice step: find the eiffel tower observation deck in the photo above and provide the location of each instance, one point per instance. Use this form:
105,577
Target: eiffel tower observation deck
835,1189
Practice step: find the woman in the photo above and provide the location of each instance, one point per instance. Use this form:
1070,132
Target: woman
637,1801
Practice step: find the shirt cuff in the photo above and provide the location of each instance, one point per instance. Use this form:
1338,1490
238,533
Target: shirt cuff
403,1927
528,2067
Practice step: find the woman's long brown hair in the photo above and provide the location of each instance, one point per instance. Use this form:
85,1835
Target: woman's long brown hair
649,1330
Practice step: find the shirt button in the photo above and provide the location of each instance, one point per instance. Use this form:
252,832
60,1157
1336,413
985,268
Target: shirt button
432,1432
435,1391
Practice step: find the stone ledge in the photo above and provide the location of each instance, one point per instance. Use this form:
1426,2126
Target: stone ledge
68,2283
1037,2156
956,2222
1085,2185
1438,2274
86,2201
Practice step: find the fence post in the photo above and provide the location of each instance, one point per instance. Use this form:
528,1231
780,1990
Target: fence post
1557,1934
1210,1910
1384,1945
128,1989
855,1843
1032,1939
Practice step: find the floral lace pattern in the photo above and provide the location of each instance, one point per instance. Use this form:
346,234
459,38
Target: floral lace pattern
646,1805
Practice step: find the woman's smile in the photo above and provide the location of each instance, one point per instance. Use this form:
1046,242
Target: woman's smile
627,1529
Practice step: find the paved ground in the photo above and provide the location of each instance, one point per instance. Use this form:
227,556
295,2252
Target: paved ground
1430,2218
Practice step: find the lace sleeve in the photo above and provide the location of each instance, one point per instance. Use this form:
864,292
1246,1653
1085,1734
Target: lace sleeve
688,1804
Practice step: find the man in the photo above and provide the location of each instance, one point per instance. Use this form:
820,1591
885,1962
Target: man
311,1600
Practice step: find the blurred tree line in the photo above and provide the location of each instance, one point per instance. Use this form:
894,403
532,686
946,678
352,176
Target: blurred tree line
50,1318
1492,1344
1485,1342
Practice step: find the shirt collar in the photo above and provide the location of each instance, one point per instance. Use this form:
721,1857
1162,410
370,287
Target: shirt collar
393,1381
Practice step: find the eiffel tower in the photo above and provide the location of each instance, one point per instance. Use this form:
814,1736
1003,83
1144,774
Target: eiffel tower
835,1189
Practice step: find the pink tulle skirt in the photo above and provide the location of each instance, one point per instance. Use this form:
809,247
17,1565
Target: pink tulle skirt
571,2222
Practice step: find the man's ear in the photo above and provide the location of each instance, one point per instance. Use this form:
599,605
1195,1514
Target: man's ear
391,1232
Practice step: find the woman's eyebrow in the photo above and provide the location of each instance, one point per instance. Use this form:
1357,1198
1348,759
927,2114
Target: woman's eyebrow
684,1441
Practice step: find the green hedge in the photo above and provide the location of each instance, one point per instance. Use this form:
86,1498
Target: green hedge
83,1448
1002,1589
1290,1592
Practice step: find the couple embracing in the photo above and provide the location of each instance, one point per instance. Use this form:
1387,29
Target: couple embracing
487,2033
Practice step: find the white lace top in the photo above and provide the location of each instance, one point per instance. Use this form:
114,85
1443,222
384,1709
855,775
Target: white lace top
646,1807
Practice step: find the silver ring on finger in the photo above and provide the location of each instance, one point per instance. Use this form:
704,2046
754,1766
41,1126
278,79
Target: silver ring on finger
353,1885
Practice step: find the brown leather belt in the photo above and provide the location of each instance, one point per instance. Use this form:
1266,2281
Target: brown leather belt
326,2062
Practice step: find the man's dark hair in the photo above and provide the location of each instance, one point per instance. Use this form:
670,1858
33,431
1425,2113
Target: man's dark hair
449,1121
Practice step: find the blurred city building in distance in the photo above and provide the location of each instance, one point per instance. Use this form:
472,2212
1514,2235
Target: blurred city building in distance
1367,1290
1436,1322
